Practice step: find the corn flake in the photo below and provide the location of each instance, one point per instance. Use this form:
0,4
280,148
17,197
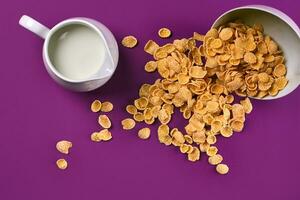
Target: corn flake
151,66
151,47
197,72
198,37
250,58
62,164
211,139
194,155
237,125
131,109
211,150
96,137
105,135
281,82
226,131
163,134
104,121
226,34
63,146
129,41
128,124
141,103
215,159
139,117
184,148
204,147
107,106
96,106
144,133
164,33
222,168
246,103
279,70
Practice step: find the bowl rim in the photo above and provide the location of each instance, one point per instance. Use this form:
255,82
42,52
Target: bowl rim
273,11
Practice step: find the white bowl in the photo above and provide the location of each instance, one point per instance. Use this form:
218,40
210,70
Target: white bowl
280,27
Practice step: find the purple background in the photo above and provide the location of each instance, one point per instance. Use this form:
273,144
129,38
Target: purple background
36,112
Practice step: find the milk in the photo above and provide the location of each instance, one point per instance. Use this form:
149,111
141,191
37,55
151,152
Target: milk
77,51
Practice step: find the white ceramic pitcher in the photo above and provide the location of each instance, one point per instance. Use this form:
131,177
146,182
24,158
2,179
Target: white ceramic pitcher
107,67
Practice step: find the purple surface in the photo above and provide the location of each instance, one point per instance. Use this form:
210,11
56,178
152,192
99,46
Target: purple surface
36,112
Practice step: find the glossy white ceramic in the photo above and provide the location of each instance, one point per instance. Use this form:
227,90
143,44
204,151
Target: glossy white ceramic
105,71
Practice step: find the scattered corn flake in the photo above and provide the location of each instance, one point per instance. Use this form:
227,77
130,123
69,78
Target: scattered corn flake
163,134
247,105
139,117
188,139
144,133
222,168
204,147
141,103
62,164
164,32
184,148
191,149
150,121
237,125
211,139
163,116
199,137
147,114
178,138
96,137
150,66
129,41
194,155
131,109
151,47
128,123
105,135
226,131
104,121
96,106
211,150
198,36
63,146
107,106
215,159
216,125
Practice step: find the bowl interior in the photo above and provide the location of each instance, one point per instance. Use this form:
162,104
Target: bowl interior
286,37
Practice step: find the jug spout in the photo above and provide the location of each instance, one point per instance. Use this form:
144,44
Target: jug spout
104,73
106,69
111,57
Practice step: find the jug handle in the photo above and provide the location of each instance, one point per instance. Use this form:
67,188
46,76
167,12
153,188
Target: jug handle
34,26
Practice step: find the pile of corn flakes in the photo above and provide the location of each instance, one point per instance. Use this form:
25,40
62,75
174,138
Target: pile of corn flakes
200,82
